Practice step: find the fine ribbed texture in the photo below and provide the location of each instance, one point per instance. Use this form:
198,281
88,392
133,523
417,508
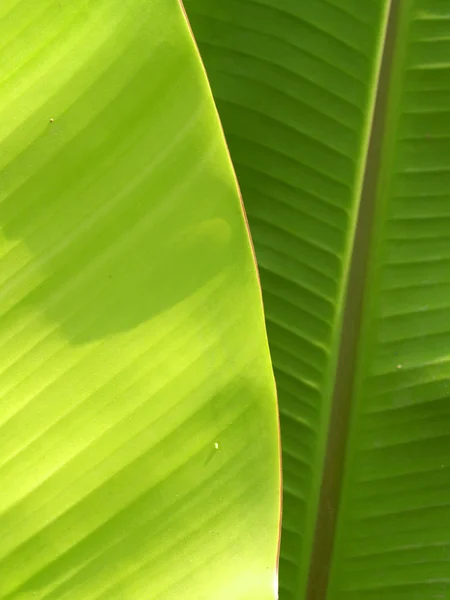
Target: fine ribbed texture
294,85
393,540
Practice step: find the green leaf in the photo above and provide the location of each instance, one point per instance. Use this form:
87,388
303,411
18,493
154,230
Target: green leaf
344,201
294,85
393,536
139,438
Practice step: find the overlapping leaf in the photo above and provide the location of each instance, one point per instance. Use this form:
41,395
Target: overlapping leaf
138,430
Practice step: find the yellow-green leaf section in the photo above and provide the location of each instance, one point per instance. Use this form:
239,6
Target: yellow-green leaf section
139,437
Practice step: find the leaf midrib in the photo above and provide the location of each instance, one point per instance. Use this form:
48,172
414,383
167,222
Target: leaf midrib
342,370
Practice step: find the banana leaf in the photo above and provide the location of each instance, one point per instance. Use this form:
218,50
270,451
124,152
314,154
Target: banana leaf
138,427
337,115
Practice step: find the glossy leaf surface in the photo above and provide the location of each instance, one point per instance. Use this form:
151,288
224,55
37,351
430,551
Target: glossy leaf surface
139,437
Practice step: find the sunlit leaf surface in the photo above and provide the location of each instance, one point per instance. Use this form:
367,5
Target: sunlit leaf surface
138,428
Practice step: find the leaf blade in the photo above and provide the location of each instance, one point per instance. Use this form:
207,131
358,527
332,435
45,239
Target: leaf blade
295,87
397,458
136,400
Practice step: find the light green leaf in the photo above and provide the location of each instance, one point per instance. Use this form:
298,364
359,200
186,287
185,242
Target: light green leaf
296,84
139,438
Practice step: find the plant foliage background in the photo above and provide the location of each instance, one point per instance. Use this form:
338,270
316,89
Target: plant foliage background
296,85
139,444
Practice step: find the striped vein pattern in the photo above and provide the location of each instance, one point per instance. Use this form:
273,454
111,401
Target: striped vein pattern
293,82
138,430
394,533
